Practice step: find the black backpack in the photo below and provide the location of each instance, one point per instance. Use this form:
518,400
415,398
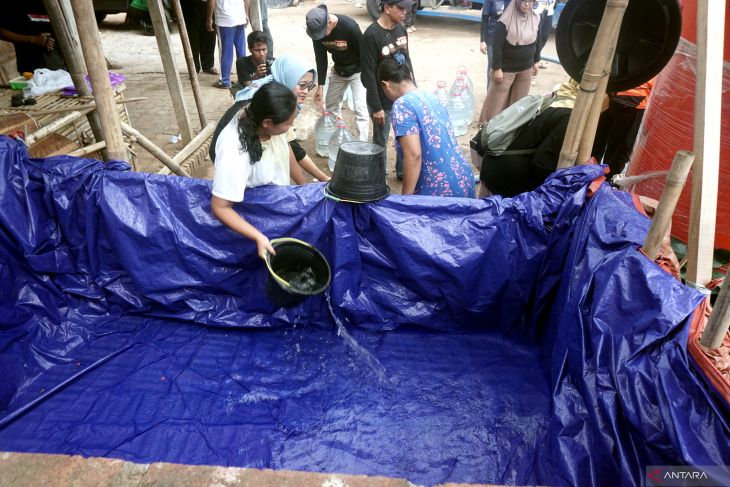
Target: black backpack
232,112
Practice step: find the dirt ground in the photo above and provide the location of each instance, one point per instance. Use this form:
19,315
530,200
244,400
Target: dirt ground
438,47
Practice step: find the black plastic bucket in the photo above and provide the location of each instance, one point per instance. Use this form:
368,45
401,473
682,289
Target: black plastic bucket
296,272
359,175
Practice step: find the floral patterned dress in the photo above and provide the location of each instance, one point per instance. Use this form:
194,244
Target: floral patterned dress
444,171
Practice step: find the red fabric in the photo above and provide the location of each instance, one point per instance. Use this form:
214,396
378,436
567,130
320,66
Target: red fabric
668,126
715,364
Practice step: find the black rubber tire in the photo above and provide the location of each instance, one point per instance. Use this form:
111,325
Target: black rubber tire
373,7
649,35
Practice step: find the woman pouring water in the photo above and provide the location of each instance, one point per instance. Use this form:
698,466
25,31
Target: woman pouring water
432,162
298,75
253,150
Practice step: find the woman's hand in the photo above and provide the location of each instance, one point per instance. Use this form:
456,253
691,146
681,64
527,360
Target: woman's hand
264,246
483,47
498,76
223,210
535,69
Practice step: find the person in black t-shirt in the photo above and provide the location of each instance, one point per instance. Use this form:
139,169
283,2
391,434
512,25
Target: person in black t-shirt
257,65
384,37
340,36
27,26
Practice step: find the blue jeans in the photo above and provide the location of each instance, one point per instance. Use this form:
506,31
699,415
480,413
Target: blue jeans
380,137
231,37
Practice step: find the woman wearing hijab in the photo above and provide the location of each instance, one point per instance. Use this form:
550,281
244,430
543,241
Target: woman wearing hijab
299,76
516,58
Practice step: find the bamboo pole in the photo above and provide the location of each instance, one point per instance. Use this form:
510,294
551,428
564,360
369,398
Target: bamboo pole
194,145
98,74
53,126
86,107
585,149
162,34
719,322
190,61
601,56
708,126
88,149
150,147
668,202
67,37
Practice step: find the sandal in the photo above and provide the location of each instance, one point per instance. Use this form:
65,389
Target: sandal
221,85
211,71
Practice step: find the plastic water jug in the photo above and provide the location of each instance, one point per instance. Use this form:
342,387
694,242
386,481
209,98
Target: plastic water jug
458,114
463,73
461,86
339,137
441,94
323,130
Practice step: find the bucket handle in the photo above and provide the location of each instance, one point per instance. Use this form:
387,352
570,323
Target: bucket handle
268,260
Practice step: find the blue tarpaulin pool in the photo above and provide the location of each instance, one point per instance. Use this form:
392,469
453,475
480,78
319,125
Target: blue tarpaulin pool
517,341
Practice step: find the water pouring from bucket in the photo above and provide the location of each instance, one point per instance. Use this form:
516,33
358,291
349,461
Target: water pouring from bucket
296,272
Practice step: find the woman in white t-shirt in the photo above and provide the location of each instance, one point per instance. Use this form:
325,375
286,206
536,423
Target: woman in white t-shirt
252,150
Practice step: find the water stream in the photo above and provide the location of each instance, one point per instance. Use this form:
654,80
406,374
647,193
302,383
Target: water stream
361,352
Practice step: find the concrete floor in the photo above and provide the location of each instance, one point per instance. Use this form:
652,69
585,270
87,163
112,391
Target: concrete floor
22,469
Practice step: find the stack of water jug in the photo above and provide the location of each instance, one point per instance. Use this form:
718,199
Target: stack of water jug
330,133
459,101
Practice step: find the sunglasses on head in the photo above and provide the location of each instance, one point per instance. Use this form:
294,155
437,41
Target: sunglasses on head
308,86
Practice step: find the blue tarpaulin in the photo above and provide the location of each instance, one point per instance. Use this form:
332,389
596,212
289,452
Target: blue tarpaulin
523,340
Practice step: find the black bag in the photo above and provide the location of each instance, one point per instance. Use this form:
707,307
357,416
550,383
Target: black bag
225,119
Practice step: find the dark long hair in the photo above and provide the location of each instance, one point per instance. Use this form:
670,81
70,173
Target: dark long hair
274,101
390,70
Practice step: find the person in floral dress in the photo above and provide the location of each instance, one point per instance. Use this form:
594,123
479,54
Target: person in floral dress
432,161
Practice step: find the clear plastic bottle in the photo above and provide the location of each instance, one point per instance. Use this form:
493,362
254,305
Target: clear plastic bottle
461,85
441,94
339,137
458,113
464,74
323,130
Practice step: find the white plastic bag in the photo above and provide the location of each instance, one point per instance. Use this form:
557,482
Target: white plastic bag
46,80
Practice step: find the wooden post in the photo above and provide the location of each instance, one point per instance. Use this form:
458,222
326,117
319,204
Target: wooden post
189,60
103,94
670,195
719,322
708,125
159,22
604,48
64,26
154,150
